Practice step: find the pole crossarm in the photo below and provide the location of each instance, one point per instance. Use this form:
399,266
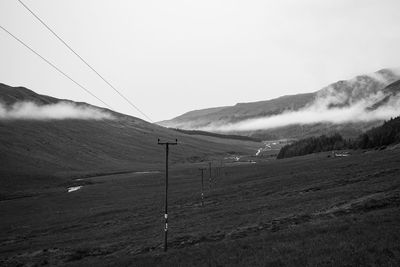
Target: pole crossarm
168,143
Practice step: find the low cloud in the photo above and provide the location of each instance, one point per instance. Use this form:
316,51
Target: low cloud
396,70
357,100
320,111
58,111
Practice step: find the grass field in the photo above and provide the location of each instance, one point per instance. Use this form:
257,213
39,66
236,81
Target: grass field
38,154
306,211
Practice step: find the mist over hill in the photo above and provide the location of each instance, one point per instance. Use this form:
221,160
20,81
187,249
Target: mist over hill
350,107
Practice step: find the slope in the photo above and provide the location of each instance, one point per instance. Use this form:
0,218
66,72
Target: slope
36,151
337,95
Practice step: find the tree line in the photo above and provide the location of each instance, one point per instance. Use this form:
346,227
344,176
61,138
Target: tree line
386,134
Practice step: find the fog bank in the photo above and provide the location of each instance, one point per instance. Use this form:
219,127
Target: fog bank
58,111
322,110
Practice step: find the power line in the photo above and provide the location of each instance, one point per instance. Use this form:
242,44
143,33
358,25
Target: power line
54,66
84,61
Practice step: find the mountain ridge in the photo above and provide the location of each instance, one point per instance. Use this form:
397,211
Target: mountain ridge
342,93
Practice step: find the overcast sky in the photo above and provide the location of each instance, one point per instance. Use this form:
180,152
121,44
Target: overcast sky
170,57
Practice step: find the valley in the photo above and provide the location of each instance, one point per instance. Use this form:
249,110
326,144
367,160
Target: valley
199,133
84,186
312,210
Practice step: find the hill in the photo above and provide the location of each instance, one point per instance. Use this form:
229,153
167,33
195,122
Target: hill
238,112
385,135
303,211
378,137
224,136
369,90
11,95
46,152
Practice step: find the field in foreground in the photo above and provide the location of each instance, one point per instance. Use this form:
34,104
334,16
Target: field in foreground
306,211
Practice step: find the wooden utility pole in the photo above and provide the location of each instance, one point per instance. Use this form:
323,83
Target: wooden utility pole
202,185
167,144
216,174
209,178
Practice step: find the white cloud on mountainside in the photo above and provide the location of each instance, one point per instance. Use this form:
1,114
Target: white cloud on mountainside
58,111
320,111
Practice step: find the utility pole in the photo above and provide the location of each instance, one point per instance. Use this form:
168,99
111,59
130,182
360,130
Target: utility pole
216,175
202,186
209,179
167,144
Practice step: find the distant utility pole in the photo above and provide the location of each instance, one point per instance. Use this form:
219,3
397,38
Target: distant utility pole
209,179
167,144
216,175
202,185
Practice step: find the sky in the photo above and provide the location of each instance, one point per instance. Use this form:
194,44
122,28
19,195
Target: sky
170,57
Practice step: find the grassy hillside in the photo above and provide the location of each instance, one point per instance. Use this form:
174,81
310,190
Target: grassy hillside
312,210
224,136
379,137
240,111
34,151
304,211
387,134
347,130
10,95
